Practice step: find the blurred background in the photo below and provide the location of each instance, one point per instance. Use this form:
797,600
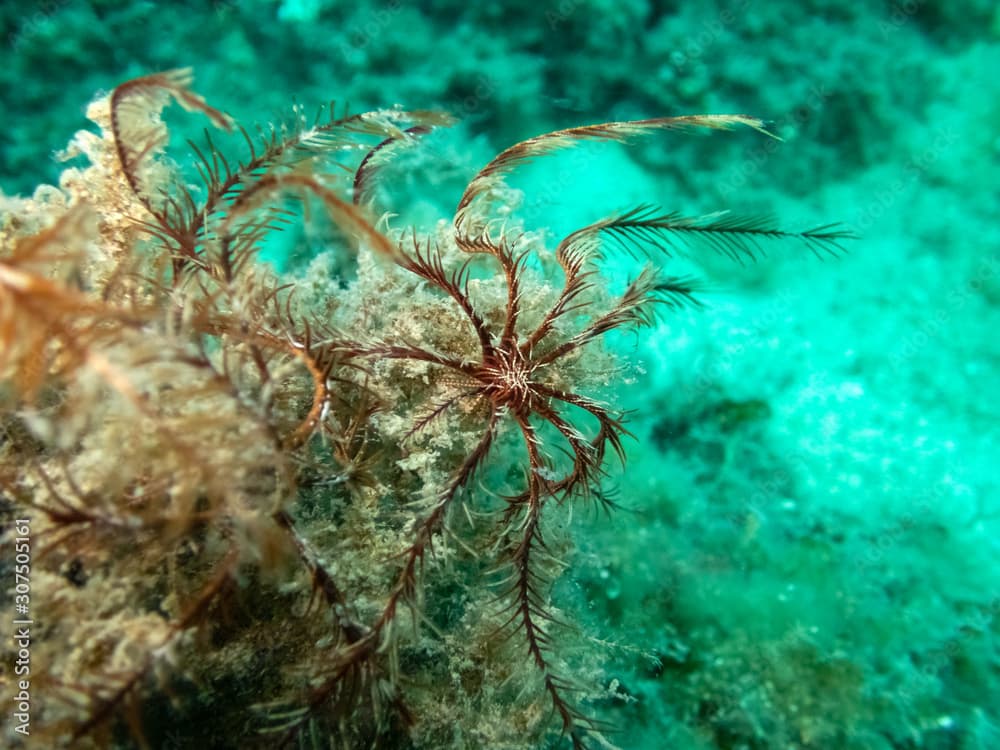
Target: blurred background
809,553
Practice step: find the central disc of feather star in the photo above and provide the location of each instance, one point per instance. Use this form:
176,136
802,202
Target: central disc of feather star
506,375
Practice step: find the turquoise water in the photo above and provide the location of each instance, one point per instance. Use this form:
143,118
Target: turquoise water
808,555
